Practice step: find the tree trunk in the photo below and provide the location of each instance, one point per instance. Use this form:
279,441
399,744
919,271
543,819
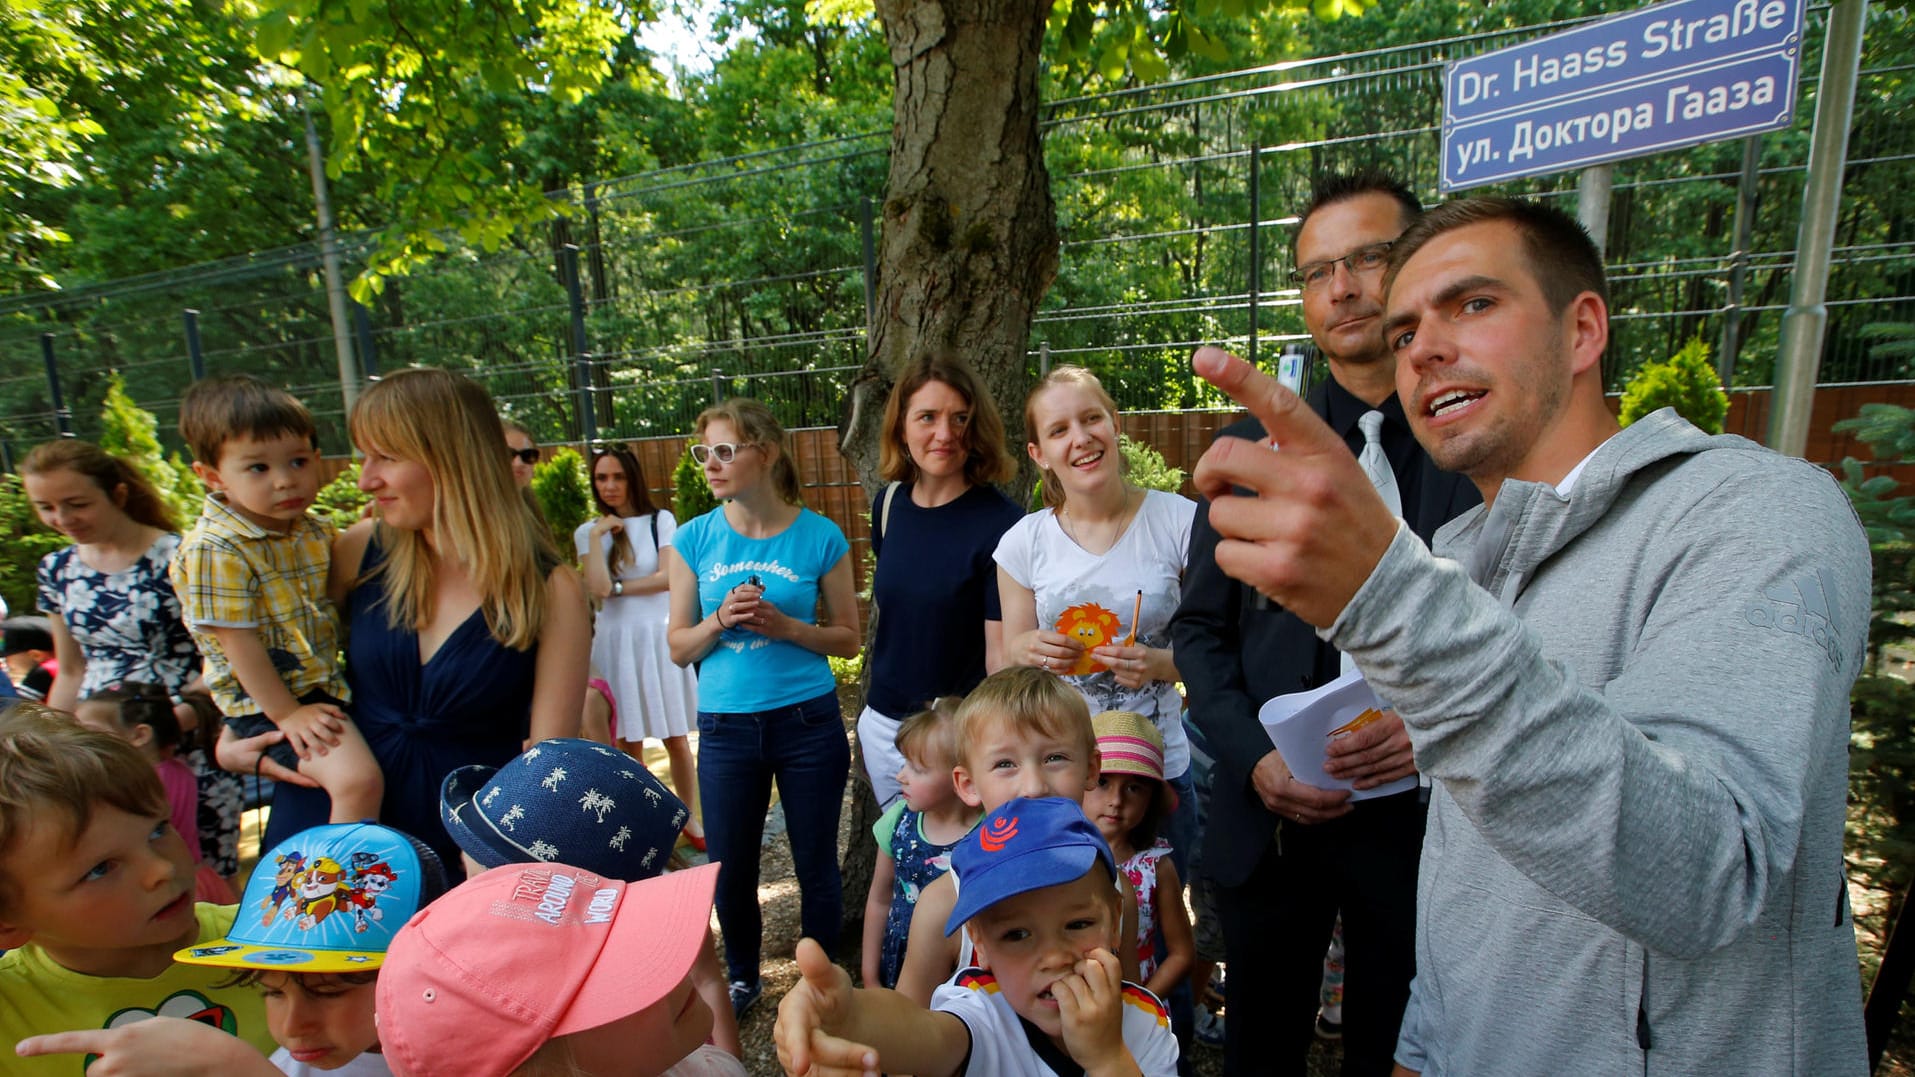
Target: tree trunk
969,243
969,238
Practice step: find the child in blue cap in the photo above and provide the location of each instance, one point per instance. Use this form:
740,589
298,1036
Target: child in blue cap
1039,897
311,934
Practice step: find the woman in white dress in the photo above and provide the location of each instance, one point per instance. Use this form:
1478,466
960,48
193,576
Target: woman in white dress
619,557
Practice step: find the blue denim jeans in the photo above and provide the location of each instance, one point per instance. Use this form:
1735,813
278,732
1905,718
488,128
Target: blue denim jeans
804,748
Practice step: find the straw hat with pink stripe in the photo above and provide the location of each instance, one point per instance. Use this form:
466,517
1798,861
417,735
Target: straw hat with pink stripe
1130,744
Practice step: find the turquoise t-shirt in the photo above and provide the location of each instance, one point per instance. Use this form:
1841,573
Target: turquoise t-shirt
746,671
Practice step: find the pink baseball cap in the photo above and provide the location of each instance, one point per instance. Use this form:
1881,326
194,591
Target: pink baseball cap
478,980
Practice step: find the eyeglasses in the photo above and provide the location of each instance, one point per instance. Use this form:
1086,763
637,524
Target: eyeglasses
1368,259
724,451
523,456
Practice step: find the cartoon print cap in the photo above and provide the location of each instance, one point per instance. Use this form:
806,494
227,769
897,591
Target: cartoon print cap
1025,845
569,800
328,899
511,958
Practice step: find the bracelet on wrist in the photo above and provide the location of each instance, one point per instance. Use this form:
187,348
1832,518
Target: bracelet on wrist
719,615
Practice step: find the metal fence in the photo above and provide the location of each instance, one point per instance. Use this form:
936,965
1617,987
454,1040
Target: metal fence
751,274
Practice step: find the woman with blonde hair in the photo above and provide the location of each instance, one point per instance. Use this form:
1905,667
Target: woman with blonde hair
748,580
467,633
941,449
1088,583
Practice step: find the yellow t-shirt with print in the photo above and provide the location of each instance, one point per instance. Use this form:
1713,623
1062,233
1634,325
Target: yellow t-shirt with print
38,996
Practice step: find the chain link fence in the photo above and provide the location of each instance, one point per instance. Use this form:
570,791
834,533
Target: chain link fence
752,275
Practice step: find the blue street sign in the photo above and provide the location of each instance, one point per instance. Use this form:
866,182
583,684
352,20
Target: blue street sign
1665,76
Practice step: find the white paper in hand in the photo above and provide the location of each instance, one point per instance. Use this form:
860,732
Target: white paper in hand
1302,724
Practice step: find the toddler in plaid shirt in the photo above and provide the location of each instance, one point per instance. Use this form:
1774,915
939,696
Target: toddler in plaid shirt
253,576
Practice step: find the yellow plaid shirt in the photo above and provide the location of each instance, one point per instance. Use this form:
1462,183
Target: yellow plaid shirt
232,573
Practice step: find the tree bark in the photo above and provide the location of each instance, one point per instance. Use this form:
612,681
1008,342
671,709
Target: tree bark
969,231
969,239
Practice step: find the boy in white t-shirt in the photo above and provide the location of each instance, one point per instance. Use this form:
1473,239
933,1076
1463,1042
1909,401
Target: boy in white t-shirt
1039,900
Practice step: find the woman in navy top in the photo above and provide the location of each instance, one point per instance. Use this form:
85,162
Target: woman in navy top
466,629
747,579
938,631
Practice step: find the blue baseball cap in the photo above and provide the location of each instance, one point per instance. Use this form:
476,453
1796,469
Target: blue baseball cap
568,800
328,899
1027,844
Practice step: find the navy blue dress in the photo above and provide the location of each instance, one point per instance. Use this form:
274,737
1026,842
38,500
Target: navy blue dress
468,705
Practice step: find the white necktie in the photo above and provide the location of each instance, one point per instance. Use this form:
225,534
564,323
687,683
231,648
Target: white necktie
1376,464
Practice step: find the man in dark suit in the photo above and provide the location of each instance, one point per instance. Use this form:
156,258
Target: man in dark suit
1285,857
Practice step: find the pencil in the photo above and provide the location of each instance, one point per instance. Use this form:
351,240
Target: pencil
1135,611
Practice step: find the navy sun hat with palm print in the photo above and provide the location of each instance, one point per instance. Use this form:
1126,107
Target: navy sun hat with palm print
577,802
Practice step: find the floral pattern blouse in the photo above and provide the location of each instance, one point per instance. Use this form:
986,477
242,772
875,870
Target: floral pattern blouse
127,623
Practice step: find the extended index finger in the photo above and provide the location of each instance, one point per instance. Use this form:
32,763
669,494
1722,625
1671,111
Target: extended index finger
1284,415
80,1042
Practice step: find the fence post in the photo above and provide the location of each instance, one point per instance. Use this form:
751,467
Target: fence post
362,332
1805,324
62,418
1256,246
866,233
717,395
194,356
582,363
1043,358
1745,196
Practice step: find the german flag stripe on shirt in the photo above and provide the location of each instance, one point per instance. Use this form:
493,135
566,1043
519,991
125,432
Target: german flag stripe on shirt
1149,1003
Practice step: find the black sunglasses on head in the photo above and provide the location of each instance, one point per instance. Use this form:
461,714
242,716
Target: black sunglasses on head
524,456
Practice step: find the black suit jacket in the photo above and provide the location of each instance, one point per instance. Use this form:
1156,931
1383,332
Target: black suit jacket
1234,655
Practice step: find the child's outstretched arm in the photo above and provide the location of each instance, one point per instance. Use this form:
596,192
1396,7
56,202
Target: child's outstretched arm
827,1028
1090,1001
1180,940
930,956
156,1047
877,908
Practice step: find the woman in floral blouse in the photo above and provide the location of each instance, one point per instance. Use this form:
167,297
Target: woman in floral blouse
113,612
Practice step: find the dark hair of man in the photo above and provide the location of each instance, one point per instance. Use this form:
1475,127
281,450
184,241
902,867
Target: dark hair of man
1343,186
1561,255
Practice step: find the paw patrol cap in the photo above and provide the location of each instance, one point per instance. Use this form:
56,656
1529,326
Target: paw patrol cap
479,980
573,801
1027,844
329,899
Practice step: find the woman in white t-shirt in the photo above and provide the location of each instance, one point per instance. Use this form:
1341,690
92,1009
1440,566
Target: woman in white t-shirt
1088,583
619,556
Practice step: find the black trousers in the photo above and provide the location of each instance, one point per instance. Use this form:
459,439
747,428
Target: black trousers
1278,923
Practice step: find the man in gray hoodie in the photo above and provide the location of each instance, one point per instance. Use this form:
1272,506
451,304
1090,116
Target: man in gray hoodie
1630,684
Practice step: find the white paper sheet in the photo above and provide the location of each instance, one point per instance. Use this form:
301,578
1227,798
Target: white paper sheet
1301,725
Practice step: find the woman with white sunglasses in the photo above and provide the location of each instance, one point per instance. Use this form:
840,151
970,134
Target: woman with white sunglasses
761,593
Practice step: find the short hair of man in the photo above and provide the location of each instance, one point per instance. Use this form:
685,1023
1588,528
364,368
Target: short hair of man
1343,186
930,736
56,772
216,410
1025,698
1561,255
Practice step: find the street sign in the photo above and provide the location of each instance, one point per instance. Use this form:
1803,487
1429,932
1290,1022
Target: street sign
1665,76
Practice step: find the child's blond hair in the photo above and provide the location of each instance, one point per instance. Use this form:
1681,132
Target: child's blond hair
1024,698
56,772
930,736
